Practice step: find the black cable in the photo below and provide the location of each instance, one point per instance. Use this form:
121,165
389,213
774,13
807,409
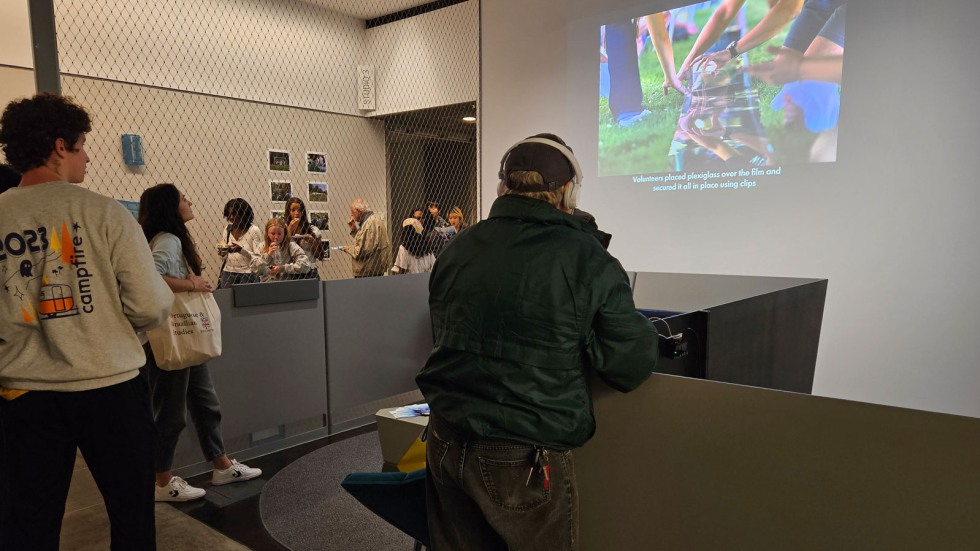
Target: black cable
697,358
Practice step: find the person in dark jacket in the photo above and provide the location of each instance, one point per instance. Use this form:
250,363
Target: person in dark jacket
523,305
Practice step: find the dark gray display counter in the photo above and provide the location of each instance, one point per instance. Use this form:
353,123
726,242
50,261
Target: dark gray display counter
305,359
750,330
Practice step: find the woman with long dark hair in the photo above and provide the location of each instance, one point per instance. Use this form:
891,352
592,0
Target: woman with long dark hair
242,241
303,233
163,214
415,254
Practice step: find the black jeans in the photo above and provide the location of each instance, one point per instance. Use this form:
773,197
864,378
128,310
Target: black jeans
113,429
175,393
479,494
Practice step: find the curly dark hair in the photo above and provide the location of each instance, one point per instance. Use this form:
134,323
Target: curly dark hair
159,211
29,128
244,215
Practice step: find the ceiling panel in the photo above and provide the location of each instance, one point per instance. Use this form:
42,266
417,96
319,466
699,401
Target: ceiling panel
367,9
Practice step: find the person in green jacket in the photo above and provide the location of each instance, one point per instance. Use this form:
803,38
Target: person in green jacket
523,306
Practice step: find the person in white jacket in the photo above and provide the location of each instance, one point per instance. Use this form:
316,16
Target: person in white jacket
241,242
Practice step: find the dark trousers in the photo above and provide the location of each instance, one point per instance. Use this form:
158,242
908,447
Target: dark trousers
479,497
174,394
625,89
113,429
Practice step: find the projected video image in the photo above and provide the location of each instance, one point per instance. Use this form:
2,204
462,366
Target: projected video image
726,87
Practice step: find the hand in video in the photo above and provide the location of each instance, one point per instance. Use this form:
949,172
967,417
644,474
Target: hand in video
676,83
711,63
784,68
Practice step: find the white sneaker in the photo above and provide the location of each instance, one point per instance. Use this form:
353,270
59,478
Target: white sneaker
177,490
238,472
630,121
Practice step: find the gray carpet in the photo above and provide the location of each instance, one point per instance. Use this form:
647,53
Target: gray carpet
304,508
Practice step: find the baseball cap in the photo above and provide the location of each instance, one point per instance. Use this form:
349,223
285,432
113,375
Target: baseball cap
547,161
415,224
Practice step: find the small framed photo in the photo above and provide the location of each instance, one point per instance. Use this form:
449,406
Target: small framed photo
280,190
320,219
316,162
278,160
325,249
280,214
318,192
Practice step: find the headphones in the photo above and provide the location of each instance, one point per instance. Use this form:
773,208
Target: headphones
570,198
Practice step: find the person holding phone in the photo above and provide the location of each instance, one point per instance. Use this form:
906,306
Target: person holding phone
243,239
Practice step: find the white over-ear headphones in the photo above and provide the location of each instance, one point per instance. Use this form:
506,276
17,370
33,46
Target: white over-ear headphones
570,199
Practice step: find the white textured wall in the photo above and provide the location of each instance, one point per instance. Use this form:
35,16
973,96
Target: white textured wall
285,52
892,224
15,82
428,60
211,85
15,34
214,149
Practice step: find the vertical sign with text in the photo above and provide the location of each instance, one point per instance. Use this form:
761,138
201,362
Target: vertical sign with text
365,87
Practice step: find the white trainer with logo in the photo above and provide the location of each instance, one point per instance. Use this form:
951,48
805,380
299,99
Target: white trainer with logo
177,490
238,472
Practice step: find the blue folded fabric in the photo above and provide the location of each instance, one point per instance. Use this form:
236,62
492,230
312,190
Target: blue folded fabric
820,102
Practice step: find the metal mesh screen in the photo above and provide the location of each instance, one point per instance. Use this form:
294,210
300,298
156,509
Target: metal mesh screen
258,99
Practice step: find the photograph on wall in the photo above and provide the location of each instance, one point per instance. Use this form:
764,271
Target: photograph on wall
280,190
278,160
325,249
731,103
320,219
280,214
318,192
316,162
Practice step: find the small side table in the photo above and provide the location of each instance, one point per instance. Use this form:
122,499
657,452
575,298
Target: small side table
398,436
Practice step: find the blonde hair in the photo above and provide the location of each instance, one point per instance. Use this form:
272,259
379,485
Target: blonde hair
528,178
269,224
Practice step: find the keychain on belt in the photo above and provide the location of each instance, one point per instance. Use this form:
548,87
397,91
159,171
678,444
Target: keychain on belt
542,463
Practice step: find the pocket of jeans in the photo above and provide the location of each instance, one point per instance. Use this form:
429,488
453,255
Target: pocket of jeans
506,483
435,453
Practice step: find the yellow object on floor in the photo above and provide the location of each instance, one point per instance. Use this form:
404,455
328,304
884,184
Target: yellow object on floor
414,458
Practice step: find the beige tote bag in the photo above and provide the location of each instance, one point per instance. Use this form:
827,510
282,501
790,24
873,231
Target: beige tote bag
193,334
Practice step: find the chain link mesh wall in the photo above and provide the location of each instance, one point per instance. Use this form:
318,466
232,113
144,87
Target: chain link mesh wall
219,90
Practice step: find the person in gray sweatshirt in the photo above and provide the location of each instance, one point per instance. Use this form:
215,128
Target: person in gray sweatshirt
78,284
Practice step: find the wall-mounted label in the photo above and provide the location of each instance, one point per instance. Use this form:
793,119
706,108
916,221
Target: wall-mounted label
132,146
365,87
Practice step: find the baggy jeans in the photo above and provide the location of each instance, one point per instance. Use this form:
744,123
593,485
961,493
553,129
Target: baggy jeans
174,393
492,494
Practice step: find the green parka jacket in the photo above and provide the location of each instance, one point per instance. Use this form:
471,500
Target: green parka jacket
522,305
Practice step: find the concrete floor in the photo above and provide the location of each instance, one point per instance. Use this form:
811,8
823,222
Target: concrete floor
86,526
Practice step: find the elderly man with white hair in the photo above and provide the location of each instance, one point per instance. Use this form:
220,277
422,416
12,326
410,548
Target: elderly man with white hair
371,252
